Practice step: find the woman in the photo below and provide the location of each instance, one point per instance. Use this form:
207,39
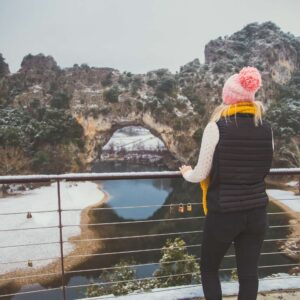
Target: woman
235,157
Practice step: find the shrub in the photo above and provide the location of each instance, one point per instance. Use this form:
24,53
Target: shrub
175,261
60,100
107,80
167,86
152,82
112,94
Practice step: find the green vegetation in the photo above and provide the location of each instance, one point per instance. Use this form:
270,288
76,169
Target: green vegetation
283,115
166,86
3,66
47,137
112,94
136,85
174,262
107,80
60,100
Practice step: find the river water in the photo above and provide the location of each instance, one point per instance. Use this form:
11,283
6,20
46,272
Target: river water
152,192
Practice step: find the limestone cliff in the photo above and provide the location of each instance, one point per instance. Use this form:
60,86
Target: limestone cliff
174,107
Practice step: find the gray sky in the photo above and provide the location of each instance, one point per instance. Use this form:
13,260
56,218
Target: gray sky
131,35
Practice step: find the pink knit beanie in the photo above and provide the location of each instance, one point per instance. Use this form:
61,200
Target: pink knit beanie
242,86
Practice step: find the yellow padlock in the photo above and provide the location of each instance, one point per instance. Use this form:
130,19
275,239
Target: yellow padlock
181,208
189,207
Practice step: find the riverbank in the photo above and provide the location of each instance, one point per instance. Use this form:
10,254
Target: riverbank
291,246
71,261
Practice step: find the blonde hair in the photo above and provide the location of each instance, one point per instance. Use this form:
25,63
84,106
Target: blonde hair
224,108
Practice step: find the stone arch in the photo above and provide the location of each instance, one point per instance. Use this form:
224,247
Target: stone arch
98,132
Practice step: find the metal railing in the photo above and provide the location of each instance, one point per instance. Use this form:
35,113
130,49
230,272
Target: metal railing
108,176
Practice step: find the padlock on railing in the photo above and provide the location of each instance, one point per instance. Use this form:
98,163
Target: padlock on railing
181,208
189,207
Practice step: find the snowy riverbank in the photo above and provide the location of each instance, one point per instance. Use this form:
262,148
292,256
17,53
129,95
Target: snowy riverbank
73,196
290,203
288,198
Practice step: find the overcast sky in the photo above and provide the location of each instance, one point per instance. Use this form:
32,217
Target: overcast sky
131,35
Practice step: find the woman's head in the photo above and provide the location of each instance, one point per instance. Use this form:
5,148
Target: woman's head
241,87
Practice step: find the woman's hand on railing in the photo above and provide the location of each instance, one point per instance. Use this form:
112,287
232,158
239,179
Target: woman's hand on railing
183,169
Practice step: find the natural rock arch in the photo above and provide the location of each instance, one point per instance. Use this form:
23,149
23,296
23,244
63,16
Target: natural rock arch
98,131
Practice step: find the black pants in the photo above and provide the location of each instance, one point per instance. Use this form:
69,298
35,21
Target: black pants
246,229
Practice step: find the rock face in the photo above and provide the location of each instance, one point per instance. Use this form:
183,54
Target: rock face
4,70
174,107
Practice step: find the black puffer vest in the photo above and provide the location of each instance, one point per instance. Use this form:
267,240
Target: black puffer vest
241,161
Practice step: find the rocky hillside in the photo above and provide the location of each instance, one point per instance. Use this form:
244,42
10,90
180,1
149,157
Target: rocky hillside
174,107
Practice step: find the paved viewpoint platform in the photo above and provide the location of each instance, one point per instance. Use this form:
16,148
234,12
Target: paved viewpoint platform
283,287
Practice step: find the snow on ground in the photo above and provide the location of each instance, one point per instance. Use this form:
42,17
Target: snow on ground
73,196
293,183
142,137
286,197
281,281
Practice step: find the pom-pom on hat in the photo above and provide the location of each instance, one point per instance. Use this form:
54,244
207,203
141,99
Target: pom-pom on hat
242,86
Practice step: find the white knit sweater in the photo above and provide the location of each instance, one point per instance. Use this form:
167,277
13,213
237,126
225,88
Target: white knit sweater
209,141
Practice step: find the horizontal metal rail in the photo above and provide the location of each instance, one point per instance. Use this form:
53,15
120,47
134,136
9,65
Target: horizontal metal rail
116,176
134,222
266,266
26,261
129,222
54,258
31,292
27,245
28,276
28,228
160,220
128,280
135,206
154,205
169,262
130,251
25,212
135,236
131,266
121,207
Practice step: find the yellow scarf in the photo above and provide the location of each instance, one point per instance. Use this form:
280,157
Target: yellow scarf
241,107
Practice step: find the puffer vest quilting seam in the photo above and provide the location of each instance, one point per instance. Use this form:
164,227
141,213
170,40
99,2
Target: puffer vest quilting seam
242,159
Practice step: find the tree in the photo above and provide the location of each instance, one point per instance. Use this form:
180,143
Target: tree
60,100
175,261
112,94
107,80
166,86
3,67
120,281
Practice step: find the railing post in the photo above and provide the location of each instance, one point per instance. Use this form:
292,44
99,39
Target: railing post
61,241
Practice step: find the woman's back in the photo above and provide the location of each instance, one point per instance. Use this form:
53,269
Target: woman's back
242,159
